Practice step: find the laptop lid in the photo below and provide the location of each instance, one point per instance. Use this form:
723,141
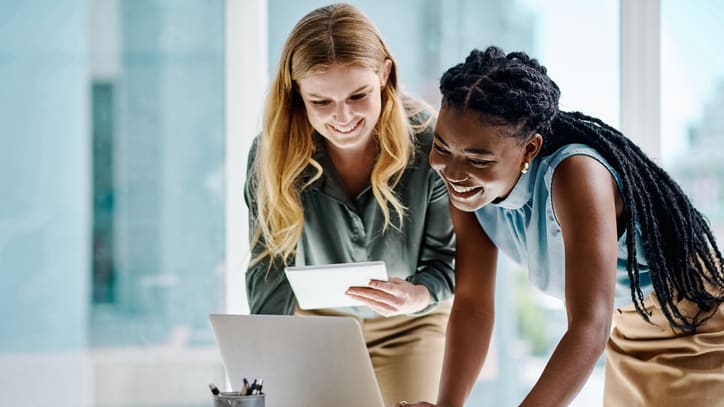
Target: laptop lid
305,361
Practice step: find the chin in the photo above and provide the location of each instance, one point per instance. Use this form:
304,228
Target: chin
466,206
349,141
468,201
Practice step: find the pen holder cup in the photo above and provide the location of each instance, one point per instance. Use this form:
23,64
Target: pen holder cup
235,399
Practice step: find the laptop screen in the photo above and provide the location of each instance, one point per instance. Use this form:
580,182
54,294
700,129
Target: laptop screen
305,361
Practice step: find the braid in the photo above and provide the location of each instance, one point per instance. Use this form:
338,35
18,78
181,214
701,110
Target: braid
505,89
679,246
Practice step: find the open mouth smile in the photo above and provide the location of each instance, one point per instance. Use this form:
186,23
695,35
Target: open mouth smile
462,191
347,129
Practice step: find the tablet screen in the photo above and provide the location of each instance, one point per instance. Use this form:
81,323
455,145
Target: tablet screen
324,286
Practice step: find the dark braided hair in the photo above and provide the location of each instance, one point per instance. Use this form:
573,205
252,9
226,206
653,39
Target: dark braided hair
684,262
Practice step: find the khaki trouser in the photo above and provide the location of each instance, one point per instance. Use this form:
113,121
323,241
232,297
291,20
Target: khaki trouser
653,366
406,351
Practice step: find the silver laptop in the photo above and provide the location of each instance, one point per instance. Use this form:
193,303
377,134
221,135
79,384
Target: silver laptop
305,361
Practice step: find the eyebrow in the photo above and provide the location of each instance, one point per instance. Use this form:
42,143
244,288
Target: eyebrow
475,151
358,90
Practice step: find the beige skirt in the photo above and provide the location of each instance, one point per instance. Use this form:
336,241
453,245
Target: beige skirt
406,351
651,365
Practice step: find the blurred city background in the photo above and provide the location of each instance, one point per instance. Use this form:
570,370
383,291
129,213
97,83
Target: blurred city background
116,139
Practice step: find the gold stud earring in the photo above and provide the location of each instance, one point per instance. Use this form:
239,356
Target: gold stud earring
525,168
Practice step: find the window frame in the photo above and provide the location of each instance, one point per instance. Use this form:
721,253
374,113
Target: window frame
640,74
246,40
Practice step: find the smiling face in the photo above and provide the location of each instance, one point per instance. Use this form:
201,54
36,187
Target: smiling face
479,163
343,104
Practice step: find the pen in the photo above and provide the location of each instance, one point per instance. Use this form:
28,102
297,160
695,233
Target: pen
214,390
259,385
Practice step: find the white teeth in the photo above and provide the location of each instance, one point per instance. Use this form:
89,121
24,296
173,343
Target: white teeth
345,129
462,190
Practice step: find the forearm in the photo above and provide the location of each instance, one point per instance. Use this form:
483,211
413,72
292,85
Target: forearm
438,278
468,337
435,262
569,367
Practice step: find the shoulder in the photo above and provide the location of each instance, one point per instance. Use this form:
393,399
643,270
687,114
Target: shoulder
418,174
567,151
253,149
583,188
422,141
423,128
576,159
254,146
580,169
420,115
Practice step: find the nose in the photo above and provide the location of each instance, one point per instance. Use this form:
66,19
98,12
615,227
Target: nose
454,176
448,168
342,113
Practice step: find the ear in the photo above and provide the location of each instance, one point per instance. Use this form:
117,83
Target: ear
386,69
532,146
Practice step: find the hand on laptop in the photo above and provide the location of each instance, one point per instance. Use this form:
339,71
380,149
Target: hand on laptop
393,297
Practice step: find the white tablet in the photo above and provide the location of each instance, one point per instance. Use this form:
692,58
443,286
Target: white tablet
324,286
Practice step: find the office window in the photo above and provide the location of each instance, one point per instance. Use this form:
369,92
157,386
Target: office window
157,103
158,152
579,44
112,222
692,95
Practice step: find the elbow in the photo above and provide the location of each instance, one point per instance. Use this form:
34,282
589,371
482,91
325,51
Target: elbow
594,333
601,339
603,329
598,335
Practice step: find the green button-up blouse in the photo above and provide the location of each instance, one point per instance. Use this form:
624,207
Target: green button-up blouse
338,229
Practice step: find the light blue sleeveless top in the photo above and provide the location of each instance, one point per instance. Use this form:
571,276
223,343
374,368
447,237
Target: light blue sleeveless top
525,228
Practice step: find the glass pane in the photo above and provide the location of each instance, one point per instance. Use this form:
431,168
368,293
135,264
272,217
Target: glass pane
112,239
579,43
692,94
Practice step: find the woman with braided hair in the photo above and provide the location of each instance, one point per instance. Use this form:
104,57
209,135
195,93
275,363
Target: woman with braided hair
598,224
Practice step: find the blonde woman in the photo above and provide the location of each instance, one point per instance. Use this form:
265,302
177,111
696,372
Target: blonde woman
340,174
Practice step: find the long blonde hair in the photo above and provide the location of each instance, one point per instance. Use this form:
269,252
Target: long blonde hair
336,34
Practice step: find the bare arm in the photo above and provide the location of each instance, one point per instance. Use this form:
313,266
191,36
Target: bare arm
585,202
471,320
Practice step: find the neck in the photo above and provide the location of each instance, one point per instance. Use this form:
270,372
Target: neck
360,159
354,166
